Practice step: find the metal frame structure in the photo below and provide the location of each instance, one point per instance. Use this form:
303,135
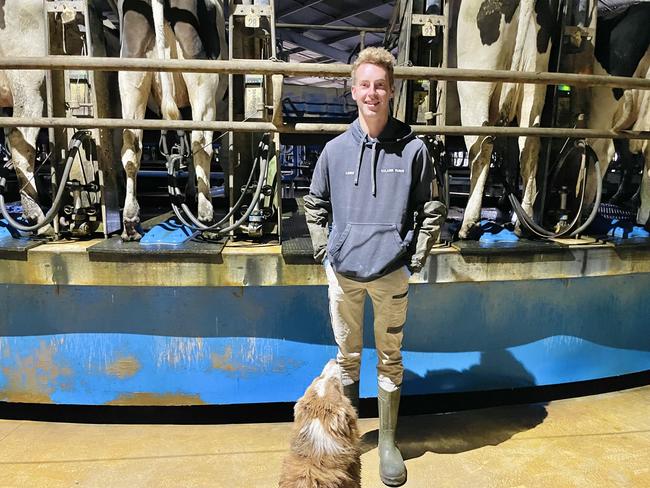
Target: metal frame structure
316,69
115,330
93,174
274,73
252,17
310,128
289,69
274,123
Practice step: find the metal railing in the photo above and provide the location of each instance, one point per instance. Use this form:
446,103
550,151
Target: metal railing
299,69
308,128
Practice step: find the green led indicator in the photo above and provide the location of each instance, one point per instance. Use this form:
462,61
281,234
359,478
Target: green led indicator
564,88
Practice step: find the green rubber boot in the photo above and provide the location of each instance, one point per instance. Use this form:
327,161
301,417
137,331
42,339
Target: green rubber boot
391,465
352,392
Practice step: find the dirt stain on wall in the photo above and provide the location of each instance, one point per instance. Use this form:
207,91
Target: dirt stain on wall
124,367
223,361
157,399
34,377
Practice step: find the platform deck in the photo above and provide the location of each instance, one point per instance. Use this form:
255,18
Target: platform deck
250,327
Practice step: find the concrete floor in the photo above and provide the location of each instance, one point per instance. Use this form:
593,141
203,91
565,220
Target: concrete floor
596,441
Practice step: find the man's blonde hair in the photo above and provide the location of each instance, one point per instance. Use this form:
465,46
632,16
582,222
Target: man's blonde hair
377,56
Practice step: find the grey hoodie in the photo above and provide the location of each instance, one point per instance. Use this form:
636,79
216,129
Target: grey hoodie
378,193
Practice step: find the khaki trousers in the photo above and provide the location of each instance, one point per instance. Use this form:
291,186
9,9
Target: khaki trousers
389,295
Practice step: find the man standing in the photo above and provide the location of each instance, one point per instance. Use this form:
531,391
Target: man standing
374,182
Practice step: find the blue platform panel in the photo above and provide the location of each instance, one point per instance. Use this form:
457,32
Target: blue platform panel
168,233
228,345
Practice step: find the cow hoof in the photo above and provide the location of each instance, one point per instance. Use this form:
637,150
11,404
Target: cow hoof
131,230
205,210
470,232
206,214
134,236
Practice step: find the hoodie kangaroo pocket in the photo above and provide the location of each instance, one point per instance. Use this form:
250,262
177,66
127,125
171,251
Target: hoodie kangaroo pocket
365,250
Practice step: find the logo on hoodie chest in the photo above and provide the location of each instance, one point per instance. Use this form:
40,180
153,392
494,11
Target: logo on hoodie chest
382,170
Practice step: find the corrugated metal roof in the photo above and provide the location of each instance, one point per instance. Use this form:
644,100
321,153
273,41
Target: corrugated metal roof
323,46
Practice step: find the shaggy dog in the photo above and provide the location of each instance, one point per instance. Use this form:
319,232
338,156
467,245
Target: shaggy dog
325,445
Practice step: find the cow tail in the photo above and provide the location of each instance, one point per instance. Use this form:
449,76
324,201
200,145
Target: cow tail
168,106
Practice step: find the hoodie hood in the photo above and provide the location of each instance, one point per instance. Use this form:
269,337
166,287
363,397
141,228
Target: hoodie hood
395,132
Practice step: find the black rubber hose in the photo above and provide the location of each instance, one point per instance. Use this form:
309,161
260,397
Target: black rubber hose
528,222
177,200
77,141
201,226
599,193
260,184
175,195
536,229
258,191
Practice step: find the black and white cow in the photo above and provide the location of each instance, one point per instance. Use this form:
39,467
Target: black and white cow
164,29
502,35
623,49
22,28
516,35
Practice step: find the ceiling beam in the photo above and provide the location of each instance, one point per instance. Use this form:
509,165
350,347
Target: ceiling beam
368,6
316,46
349,35
340,6
291,11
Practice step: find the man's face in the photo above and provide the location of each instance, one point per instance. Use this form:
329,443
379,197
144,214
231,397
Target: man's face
372,91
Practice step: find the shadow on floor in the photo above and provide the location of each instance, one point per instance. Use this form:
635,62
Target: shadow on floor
451,433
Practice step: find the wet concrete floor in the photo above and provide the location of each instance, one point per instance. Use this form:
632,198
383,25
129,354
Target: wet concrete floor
594,441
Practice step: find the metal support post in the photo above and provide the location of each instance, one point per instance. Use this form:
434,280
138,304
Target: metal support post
243,18
82,94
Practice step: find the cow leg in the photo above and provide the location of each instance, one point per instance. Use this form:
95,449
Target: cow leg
475,99
137,38
479,156
529,156
604,150
28,102
202,151
134,91
202,89
22,141
531,109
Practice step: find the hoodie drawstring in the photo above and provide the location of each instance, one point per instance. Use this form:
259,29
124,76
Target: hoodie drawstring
373,168
361,148
395,132
373,164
